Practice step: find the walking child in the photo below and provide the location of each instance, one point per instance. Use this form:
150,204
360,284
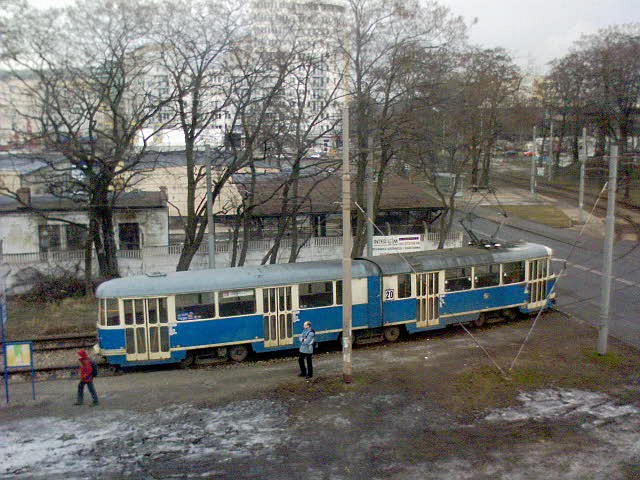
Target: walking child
86,373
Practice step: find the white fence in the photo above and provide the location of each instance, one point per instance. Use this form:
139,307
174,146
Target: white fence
165,258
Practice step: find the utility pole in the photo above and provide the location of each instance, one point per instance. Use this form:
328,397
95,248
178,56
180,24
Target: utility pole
212,235
370,219
533,163
549,172
603,328
346,232
583,161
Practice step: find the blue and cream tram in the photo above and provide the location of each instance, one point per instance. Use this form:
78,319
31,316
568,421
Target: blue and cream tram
229,312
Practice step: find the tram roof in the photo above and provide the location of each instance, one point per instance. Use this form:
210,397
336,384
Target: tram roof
457,257
303,272
229,278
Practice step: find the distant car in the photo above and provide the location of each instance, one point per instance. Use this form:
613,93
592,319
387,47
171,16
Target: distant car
528,154
511,153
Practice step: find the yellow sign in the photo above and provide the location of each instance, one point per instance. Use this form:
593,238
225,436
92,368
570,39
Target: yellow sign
18,355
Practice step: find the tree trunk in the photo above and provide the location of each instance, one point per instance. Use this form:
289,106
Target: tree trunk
88,258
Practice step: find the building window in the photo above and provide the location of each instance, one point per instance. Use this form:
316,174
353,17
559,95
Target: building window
456,279
76,237
49,238
195,306
404,285
317,294
487,275
237,302
129,235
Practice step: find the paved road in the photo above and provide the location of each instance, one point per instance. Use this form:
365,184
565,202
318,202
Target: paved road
579,291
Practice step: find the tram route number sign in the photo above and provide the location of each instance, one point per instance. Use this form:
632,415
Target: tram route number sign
18,355
388,294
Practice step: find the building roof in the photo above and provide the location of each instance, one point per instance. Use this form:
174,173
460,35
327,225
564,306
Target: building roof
24,163
324,194
125,201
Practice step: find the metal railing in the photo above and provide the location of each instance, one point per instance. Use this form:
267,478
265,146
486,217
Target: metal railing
222,247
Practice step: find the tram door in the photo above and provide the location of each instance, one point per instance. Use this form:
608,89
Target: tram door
538,276
278,316
146,323
429,286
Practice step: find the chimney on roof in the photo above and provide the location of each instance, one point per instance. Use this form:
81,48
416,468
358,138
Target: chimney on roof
163,193
24,196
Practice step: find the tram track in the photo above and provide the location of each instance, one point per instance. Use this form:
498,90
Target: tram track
62,342
69,371
631,216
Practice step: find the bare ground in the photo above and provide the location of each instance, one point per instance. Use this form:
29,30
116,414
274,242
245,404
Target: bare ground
432,406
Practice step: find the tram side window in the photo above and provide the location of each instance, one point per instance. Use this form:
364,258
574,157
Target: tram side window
317,294
111,312
404,285
487,275
513,272
456,279
194,306
236,302
339,292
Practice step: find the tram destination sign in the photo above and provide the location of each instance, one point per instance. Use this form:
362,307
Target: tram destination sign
396,244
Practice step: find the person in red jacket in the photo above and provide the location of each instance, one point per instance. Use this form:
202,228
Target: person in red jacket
86,377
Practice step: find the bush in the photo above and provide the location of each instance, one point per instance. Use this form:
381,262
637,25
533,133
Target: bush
52,286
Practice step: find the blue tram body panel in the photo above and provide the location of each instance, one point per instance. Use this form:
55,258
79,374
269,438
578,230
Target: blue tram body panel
111,339
400,311
223,330
375,315
471,301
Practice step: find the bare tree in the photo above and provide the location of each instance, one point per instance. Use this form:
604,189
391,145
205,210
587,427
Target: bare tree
387,41
84,71
195,39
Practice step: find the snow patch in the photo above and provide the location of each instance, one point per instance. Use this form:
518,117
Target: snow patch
108,443
559,403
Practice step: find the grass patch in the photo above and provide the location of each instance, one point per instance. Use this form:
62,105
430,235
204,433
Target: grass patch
545,214
72,315
608,360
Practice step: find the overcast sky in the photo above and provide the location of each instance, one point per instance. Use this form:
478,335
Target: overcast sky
537,31
534,31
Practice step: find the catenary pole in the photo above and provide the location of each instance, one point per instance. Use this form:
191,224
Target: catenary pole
370,220
603,328
550,161
346,232
583,161
533,163
211,237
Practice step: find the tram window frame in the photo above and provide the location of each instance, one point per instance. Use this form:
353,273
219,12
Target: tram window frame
105,319
241,306
404,286
202,306
462,281
308,298
507,276
491,272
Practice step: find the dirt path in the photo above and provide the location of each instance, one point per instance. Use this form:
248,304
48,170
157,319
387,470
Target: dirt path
429,407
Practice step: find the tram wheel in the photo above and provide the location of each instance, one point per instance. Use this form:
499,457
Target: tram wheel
392,333
187,361
480,321
238,353
510,313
